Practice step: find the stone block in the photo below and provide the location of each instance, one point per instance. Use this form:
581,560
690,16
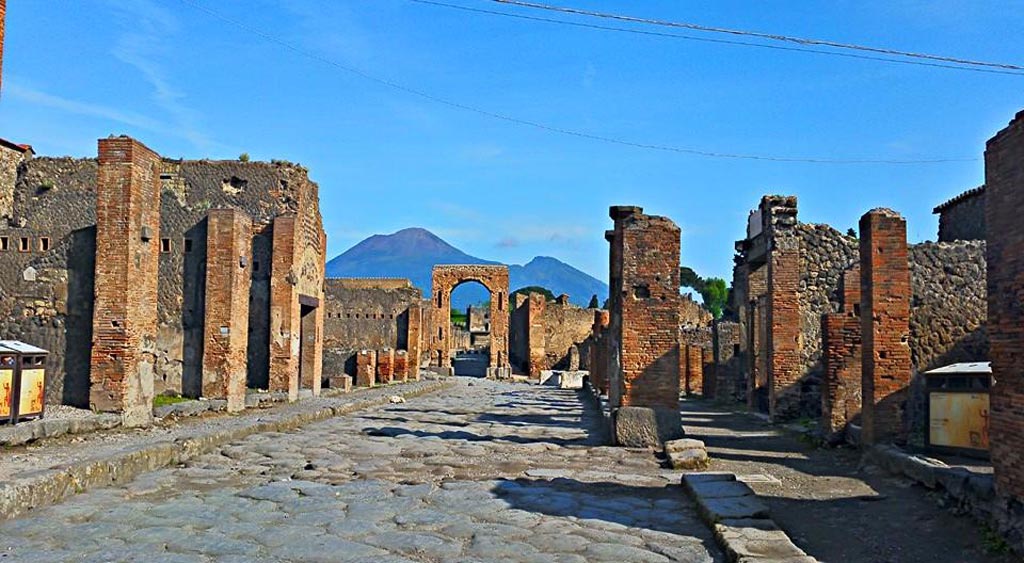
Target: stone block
570,380
641,427
343,382
758,540
687,454
726,508
722,489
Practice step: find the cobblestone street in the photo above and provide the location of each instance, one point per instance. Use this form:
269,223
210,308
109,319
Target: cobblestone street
483,471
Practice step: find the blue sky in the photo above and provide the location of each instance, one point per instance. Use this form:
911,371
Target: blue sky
192,86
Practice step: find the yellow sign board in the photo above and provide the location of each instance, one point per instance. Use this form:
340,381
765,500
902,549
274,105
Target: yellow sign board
33,389
959,420
6,391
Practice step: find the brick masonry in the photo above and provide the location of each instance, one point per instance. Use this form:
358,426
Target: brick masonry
228,283
386,366
445,278
1004,181
644,311
127,262
841,392
401,365
885,325
366,368
783,323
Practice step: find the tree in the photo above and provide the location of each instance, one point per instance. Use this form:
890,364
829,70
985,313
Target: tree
716,295
851,232
594,303
689,278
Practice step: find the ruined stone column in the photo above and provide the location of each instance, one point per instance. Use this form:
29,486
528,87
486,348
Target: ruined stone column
1004,184
842,358
127,266
366,368
645,327
415,340
535,333
885,324
386,366
401,366
226,328
598,355
285,321
780,214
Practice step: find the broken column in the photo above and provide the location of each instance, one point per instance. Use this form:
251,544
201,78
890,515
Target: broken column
386,366
127,266
841,356
415,341
1004,184
366,368
885,325
644,328
285,319
598,352
226,330
783,320
535,333
694,366
401,368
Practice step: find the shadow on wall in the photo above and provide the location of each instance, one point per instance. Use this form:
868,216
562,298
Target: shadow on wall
78,321
193,311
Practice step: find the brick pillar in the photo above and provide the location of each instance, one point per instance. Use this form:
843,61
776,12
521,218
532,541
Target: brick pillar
645,326
3,17
415,340
694,364
285,319
783,323
757,337
535,306
1004,184
226,328
401,366
842,358
386,366
366,368
885,324
598,358
127,266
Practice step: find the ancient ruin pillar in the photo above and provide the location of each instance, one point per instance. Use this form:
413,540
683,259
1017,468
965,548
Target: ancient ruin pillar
645,326
127,266
1004,184
694,365
783,322
598,355
401,369
535,333
386,366
285,319
415,340
841,356
226,327
885,324
366,368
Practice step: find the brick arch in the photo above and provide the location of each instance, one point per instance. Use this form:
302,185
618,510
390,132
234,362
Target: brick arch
445,279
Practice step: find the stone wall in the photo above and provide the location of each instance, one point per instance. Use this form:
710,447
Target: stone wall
692,313
728,375
11,156
948,307
445,278
564,325
963,217
360,315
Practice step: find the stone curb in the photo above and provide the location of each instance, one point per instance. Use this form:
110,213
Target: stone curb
740,521
26,432
54,485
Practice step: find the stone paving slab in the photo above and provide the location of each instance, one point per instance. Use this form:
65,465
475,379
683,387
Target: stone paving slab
488,472
51,480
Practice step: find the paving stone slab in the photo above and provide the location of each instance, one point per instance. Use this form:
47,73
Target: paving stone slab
722,489
718,509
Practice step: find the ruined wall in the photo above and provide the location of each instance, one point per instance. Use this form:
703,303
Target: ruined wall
564,325
963,217
948,307
46,297
825,254
361,316
729,377
692,313
11,156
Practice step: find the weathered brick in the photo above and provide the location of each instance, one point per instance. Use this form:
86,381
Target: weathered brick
228,283
1004,181
127,263
885,325
386,366
445,279
366,368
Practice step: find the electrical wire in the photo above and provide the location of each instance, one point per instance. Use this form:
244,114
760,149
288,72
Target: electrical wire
712,40
760,35
542,126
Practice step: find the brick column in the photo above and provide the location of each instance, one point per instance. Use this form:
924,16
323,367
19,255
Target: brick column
285,320
645,323
535,306
3,17
694,365
757,337
226,328
783,306
127,266
366,368
842,358
415,340
386,366
401,366
1004,184
885,324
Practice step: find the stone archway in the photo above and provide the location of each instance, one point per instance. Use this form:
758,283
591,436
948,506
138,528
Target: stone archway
495,279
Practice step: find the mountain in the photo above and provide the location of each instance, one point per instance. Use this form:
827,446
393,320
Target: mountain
412,253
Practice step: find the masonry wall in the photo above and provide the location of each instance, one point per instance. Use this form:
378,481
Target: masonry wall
1004,181
10,158
360,316
563,326
127,263
729,378
963,218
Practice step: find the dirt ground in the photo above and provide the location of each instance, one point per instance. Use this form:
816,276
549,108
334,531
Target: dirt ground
834,509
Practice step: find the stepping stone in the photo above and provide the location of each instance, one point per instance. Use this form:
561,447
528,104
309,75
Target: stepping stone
722,489
731,508
758,540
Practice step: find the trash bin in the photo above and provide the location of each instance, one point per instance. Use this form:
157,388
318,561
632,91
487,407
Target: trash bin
958,407
22,381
